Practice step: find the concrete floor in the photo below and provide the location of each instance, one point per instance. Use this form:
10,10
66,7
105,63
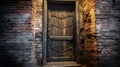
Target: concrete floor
62,64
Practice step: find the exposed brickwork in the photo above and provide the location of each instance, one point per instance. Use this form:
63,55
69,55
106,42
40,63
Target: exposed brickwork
87,33
21,33
108,22
38,31
16,34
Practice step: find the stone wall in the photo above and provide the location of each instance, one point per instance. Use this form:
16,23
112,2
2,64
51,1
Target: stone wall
108,36
17,47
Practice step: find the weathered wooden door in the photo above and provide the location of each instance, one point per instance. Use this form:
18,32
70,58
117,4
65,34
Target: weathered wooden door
61,22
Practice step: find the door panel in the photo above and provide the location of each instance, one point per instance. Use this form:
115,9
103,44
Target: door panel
61,32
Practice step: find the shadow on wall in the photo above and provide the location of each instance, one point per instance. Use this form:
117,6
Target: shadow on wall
16,44
7,58
5,55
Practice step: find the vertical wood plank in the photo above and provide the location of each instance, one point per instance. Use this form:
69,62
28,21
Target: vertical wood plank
77,38
44,33
64,32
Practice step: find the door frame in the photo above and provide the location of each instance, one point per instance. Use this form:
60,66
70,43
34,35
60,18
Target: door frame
44,28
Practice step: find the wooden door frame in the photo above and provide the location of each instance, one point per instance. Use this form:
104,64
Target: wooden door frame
45,21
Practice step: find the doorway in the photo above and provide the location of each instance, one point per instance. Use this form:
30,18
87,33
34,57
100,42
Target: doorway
60,31
61,28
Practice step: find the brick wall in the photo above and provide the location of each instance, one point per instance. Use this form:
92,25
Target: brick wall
21,33
88,33
17,48
108,36
38,31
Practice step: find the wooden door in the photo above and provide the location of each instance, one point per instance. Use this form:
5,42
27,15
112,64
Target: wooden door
61,21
